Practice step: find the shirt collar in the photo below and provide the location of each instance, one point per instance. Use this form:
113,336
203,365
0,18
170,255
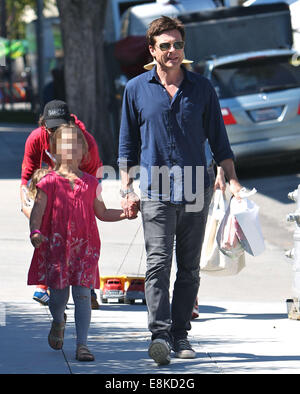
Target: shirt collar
153,77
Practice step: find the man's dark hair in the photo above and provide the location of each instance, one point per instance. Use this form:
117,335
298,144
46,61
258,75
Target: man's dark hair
162,24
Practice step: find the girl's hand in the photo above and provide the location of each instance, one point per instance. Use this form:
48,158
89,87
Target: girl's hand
134,210
130,205
37,240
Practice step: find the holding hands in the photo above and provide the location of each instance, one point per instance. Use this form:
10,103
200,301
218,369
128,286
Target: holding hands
130,204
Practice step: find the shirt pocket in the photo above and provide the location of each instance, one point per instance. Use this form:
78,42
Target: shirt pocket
192,114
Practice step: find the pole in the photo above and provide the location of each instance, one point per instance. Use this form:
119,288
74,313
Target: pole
40,50
4,35
3,19
295,217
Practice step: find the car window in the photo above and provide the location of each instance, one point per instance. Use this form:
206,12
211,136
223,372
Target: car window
255,76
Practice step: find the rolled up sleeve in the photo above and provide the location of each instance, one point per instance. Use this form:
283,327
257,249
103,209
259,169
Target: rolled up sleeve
129,139
215,129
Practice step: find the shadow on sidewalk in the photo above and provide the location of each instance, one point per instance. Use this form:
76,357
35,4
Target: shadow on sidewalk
119,339
223,314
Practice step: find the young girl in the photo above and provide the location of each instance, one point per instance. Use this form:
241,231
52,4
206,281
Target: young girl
64,232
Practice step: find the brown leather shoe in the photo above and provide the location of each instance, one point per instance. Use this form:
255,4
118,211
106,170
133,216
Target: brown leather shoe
56,335
83,353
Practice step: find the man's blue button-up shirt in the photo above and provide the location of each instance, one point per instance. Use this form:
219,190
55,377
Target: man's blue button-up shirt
158,132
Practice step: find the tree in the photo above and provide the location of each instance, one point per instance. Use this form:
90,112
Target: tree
82,24
14,9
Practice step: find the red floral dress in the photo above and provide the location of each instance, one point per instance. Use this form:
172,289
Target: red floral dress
70,254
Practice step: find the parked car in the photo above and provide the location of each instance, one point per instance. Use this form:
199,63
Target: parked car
259,94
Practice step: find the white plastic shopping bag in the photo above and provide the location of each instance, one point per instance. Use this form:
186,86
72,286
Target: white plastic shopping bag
246,214
213,261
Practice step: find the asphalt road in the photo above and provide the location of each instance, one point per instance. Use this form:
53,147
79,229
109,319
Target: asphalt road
12,142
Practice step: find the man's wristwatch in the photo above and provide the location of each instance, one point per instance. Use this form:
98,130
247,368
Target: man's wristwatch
124,193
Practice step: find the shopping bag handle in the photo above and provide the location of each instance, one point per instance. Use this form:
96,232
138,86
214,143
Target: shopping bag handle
220,201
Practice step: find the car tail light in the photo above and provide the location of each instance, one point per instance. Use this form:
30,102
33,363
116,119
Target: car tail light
298,109
227,116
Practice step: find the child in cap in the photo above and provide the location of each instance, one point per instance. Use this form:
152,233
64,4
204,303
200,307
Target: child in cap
64,233
37,154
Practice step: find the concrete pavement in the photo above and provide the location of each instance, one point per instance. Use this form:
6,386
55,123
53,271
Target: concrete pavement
229,337
243,325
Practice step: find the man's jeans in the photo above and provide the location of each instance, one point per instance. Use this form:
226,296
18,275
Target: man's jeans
163,222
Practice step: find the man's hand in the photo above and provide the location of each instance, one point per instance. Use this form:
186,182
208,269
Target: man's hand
234,184
235,188
130,205
220,181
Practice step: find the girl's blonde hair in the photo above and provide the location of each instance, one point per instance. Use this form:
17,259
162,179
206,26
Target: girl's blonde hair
58,135
36,177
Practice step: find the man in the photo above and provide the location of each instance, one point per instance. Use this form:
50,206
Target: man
37,154
168,114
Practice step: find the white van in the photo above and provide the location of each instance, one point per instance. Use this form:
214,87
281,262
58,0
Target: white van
295,16
136,20
114,11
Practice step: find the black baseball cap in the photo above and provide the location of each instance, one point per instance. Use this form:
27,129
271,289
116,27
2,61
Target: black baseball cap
56,112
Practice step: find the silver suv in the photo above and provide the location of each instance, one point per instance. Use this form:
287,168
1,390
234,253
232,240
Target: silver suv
259,94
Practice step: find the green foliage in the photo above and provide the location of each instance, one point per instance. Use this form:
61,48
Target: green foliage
14,10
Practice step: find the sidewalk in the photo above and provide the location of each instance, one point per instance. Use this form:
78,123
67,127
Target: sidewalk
230,338
242,328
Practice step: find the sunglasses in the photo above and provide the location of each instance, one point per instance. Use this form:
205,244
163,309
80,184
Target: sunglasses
53,129
165,46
